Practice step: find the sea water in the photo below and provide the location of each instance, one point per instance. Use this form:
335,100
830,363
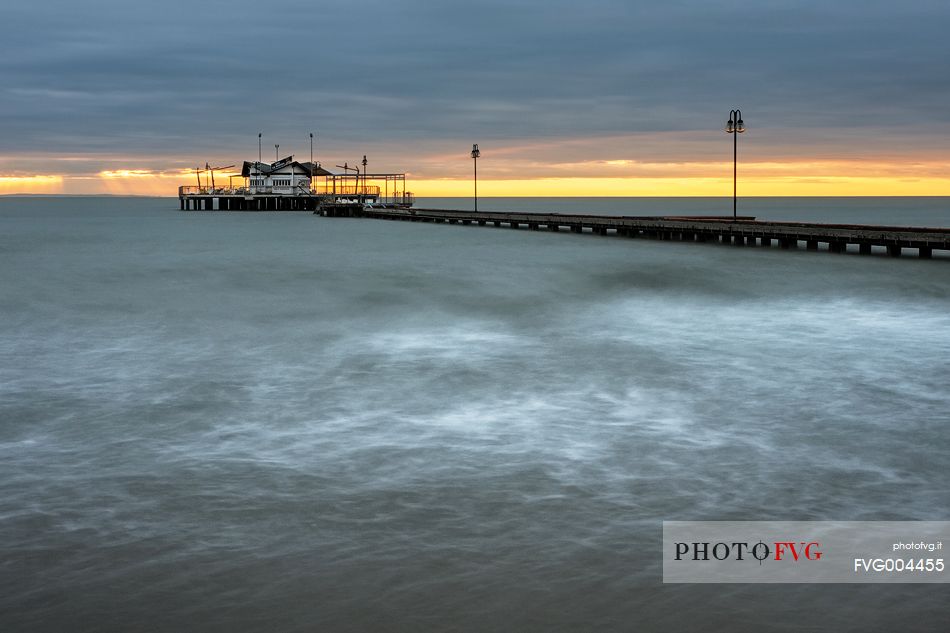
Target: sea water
282,422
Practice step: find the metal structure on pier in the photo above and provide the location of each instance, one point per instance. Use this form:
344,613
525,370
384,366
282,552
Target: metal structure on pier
288,185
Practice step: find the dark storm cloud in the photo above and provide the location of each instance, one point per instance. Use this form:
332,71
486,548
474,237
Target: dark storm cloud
175,78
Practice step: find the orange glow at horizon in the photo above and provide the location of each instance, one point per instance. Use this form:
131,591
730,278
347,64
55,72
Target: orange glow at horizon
777,186
31,184
142,182
620,177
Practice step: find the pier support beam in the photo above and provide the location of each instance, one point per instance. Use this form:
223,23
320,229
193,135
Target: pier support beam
864,249
811,245
894,251
926,252
765,241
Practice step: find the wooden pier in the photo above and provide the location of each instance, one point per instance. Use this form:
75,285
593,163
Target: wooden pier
240,202
743,231
287,185
226,201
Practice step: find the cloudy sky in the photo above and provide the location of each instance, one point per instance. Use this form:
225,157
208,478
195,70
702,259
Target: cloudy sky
843,97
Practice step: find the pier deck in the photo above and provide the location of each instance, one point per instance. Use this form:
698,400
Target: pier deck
745,230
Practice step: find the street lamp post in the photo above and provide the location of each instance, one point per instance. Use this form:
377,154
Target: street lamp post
257,168
311,161
276,152
735,126
475,154
364,176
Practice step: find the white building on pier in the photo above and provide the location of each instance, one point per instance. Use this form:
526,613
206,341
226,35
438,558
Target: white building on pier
285,177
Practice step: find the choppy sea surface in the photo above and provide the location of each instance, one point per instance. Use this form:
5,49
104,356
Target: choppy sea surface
281,422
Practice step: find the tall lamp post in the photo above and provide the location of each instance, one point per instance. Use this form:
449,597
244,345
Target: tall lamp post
311,161
276,152
364,175
475,154
735,126
257,168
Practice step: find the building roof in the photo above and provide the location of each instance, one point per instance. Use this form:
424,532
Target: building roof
311,169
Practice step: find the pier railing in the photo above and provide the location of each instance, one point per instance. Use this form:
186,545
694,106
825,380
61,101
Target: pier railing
406,199
347,190
192,190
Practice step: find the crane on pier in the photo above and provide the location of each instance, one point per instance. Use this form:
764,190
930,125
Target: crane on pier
346,167
211,169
